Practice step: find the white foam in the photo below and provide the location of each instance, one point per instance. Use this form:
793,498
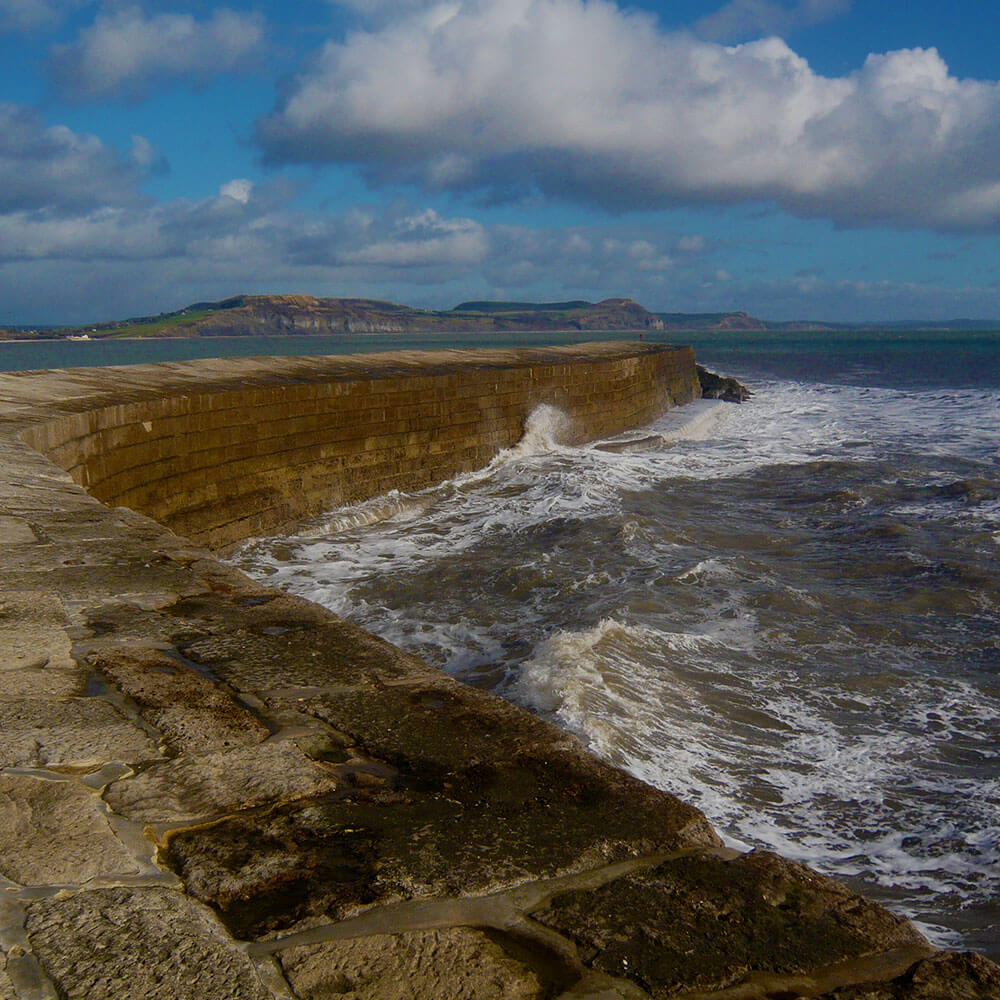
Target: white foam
502,574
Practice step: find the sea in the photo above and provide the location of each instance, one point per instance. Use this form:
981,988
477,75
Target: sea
785,612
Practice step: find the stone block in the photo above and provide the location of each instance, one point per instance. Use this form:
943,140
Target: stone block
35,658
108,944
704,923
455,964
192,712
56,833
69,733
217,783
947,976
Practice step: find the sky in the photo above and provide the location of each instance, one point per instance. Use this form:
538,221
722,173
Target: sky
797,159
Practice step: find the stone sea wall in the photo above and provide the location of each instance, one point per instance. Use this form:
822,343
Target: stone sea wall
209,789
221,451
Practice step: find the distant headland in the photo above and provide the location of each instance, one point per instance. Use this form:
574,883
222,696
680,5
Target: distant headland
277,315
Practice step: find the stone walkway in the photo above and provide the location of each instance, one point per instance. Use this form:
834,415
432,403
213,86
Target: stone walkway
209,789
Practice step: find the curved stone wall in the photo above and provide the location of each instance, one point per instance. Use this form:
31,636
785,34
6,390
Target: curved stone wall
224,450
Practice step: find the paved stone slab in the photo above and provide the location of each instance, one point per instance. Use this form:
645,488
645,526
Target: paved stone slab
151,943
35,658
55,833
193,713
218,783
456,964
479,779
701,922
6,986
272,654
15,531
70,733
948,976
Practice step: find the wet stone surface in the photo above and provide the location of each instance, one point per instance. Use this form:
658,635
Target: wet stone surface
469,778
191,712
704,922
948,976
114,943
278,652
217,783
455,964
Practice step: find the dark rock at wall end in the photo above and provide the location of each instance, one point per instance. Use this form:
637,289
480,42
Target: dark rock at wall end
723,387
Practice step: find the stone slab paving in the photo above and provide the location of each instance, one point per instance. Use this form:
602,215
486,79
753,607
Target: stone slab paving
151,943
209,790
56,833
455,964
69,733
189,788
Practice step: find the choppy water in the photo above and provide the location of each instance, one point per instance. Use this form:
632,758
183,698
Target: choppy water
787,613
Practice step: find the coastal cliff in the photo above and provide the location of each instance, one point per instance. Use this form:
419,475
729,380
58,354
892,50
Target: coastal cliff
282,315
211,789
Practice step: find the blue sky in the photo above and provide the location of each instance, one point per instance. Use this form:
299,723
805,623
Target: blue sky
793,158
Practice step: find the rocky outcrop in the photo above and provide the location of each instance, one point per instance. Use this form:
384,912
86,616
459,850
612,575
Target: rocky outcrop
723,387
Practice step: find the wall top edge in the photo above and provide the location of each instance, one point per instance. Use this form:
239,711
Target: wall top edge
32,397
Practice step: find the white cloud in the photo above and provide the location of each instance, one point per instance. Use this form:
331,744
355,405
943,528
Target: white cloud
742,19
586,101
103,234
239,189
124,51
694,243
57,169
424,239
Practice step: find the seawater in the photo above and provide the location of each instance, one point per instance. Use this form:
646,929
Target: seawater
786,612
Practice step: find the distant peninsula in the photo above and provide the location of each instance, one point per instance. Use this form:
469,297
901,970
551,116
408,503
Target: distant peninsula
284,315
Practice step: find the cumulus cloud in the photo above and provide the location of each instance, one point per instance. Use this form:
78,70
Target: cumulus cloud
743,19
423,239
239,189
55,168
583,100
124,51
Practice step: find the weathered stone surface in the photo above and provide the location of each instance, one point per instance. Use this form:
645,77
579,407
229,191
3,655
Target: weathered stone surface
455,964
450,739
55,833
700,922
217,783
151,943
79,583
521,794
193,713
272,654
16,531
69,733
946,976
6,986
35,658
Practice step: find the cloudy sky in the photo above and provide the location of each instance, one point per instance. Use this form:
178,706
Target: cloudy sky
833,159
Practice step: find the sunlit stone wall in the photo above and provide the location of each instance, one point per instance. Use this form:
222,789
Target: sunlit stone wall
224,450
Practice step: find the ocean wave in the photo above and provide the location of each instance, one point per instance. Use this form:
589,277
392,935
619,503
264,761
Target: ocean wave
783,612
